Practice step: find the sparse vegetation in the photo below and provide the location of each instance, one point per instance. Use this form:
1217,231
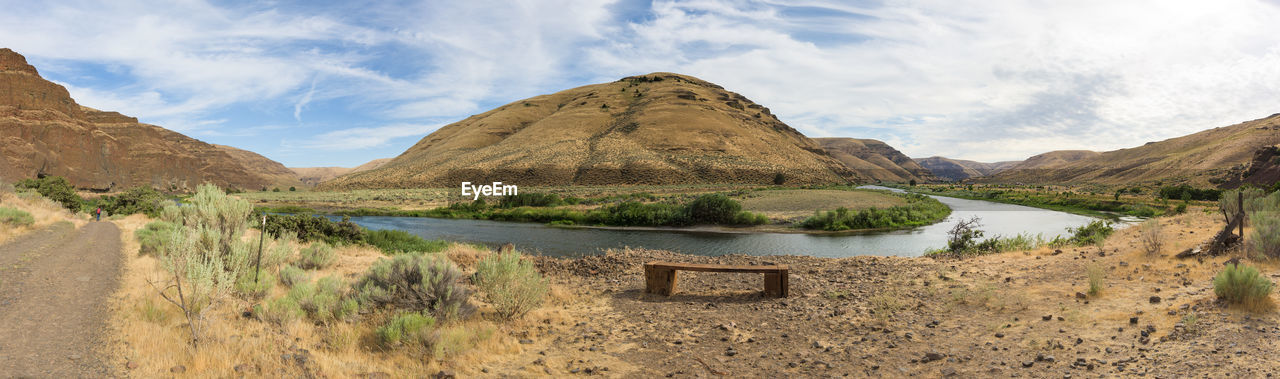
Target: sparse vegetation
325,301
144,200
1241,284
252,287
16,217
1095,233
512,285
1149,236
1187,192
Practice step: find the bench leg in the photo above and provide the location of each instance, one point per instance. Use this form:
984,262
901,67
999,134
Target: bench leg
775,284
659,280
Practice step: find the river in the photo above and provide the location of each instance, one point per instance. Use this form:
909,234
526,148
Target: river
997,219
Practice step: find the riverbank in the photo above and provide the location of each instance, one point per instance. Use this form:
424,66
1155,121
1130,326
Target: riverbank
1083,203
1011,314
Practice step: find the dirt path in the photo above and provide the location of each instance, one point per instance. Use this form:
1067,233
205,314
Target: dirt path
54,284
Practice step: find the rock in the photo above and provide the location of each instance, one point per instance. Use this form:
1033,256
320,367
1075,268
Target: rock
244,368
731,352
1081,295
1154,300
443,374
178,369
131,365
526,341
999,335
948,372
1046,317
1028,364
932,356
1132,320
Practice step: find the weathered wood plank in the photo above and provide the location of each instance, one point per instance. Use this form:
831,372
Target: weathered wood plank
660,277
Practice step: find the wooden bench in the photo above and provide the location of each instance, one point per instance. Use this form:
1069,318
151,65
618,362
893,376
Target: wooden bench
660,277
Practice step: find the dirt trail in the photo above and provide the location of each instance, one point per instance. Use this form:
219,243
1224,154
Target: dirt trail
54,284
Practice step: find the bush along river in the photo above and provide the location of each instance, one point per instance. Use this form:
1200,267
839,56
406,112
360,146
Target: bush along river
996,219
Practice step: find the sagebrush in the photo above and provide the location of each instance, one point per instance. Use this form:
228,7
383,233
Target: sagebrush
513,286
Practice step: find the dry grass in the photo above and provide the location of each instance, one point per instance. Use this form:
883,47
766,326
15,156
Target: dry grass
45,212
150,333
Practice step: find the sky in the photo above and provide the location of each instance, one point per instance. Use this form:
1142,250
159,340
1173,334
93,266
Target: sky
313,83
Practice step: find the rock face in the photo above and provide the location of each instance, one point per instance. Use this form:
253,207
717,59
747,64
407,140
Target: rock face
659,128
875,159
44,132
958,169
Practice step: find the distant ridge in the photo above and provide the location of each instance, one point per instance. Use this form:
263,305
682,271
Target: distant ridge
1213,157
875,159
312,176
959,169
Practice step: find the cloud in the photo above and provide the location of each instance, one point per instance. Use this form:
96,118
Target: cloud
934,77
364,138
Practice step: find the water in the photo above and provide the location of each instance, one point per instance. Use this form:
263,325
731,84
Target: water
997,219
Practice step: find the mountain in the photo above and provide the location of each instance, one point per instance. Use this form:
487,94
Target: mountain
875,159
315,175
44,132
1211,157
660,128
959,169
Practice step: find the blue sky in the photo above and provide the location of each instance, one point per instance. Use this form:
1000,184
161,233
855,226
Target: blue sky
336,84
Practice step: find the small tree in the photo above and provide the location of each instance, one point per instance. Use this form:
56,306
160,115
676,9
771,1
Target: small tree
964,235
198,279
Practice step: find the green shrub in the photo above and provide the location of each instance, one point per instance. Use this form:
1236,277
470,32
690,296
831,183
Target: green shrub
1264,239
1242,285
324,301
153,236
920,210
512,285
415,282
309,228
713,209
54,188
255,288
748,218
144,200
530,200
16,217
317,256
291,275
408,327
399,241
280,310
1095,233
635,213
1186,192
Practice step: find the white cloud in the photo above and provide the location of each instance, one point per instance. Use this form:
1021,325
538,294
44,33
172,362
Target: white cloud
364,138
933,77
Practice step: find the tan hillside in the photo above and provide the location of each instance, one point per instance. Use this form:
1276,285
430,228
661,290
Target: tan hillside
659,128
1211,157
256,163
1053,159
44,131
312,176
875,159
959,169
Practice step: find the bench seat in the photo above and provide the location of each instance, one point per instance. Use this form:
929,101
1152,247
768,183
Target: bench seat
660,277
